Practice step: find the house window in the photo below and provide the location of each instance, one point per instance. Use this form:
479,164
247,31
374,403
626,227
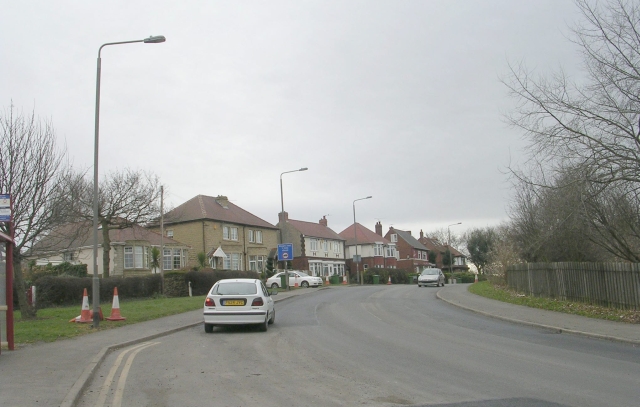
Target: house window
325,245
365,266
377,249
258,236
226,264
68,256
251,238
166,259
256,263
394,238
177,259
313,245
236,262
212,262
128,257
391,251
170,233
229,233
173,259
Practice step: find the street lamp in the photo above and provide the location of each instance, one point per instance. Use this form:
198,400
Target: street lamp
449,250
355,235
96,282
286,278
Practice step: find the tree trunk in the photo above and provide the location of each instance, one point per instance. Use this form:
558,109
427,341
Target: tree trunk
106,249
26,311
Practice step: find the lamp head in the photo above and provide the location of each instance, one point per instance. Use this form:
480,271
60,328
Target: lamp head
303,169
154,39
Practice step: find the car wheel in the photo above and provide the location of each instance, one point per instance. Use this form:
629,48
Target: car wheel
208,328
274,285
305,284
273,317
265,325
420,285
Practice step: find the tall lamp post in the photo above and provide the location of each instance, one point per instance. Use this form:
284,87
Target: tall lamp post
449,250
355,235
286,279
96,282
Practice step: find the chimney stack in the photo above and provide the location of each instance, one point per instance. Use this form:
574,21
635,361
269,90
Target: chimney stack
280,217
379,228
323,221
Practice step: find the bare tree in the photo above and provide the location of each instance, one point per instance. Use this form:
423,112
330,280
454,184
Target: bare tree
31,169
125,198
589,126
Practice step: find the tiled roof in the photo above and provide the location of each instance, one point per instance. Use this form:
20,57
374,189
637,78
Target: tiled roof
434,245
314,229
364,235
413,242
218,208
80,234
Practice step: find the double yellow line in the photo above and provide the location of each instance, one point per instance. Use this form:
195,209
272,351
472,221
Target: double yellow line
117,396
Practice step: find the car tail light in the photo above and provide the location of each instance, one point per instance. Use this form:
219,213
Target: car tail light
257,302
209,302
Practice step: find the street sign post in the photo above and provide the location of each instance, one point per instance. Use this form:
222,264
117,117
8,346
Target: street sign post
285,254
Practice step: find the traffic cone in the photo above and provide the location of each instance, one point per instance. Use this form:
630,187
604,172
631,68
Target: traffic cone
295,284
327,281
344,279
85,314
99,313
389,282
115,307
476,279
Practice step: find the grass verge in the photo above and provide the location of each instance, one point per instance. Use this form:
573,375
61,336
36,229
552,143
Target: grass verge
53,324
504,294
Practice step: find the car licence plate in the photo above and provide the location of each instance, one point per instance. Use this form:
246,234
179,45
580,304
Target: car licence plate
234,302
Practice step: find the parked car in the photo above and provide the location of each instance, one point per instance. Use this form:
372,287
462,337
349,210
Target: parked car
431,276
239,301
295,277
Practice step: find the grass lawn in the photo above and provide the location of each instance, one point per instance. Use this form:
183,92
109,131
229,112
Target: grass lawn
502,293
52,324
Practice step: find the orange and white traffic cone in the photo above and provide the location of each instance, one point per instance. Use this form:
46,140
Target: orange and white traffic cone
344,279
115,307
389,282
476,279
295,284
327,281
85,314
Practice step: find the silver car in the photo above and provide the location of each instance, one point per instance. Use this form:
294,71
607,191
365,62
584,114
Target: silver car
431,276
239,301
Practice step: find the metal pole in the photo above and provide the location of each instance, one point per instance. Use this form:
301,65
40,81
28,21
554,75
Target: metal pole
449,250
282,221
355,234
95,291
9,279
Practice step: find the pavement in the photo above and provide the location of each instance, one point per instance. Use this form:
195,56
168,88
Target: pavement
56,373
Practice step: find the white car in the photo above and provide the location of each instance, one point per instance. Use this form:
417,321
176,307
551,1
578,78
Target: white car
239,301
431,276
300,278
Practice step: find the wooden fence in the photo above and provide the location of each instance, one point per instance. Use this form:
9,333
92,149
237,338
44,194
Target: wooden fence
609,284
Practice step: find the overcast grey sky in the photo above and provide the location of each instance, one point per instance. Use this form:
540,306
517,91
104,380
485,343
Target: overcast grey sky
400,100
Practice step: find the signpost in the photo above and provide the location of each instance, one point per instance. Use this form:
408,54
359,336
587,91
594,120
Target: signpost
285,254
8,240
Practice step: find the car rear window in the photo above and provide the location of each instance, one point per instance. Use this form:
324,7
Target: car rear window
235,289
430,272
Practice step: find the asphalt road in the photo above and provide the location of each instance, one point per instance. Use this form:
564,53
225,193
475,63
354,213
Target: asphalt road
374,346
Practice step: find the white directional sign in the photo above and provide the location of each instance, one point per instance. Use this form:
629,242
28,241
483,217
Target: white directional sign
5,208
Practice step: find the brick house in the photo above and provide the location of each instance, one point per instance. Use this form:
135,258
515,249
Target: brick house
129,255
316,247
375,250
412,255
230,237
434,246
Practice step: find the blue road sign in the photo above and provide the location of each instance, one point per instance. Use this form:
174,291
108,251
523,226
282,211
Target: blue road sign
285,251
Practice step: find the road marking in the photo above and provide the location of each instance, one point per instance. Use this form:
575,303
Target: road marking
109,379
